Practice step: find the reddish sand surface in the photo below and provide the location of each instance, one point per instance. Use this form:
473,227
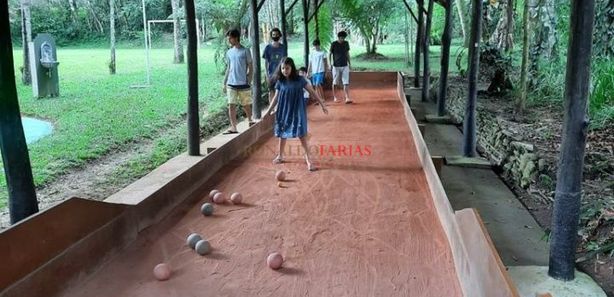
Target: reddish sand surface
362,225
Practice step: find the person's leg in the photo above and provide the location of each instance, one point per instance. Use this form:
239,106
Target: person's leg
232,114
246,101
305,145
320,91
248,113
280,157
346,84
333,83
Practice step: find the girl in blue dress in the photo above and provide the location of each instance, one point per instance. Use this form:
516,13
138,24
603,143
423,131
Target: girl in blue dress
289,108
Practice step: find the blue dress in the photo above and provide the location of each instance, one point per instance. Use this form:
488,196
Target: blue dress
291,115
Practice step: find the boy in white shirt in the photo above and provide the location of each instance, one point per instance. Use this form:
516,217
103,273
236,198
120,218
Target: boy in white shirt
318,65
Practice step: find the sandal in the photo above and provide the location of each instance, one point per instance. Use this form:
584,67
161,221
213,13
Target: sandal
278,160
311,167
348,101
251,123
230,132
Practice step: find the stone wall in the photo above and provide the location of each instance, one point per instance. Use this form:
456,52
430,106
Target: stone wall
520,161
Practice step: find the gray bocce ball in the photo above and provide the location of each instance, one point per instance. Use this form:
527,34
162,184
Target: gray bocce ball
206,209
193,239
203,247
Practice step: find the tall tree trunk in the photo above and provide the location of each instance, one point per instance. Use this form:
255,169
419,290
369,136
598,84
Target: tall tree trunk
567,200
112,33
446,40
426,71
26,37
469,133
502,37
461,8
545,36
374,38
178,57
522,100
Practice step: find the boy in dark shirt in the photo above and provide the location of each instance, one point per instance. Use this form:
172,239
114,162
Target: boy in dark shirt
340,57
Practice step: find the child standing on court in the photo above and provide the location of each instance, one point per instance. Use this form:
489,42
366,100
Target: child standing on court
318,65
289,108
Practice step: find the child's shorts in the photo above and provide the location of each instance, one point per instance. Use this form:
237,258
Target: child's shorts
241,97
317,79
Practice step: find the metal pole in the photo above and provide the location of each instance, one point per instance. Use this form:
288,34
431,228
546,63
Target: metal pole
257,79
568,195
469,141
18,173
193,127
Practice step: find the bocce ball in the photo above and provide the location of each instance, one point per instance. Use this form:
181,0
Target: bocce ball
203,247
162,272
219,198
236,198
193,239
280,175
212,193
206,209
274,260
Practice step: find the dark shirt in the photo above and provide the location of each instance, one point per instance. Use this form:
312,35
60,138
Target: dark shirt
273,55
340,53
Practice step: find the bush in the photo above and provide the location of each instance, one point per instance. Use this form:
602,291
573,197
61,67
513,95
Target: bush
601,107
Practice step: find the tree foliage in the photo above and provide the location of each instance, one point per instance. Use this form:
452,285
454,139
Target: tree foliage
368,17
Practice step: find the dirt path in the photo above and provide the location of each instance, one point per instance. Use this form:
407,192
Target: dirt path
93,181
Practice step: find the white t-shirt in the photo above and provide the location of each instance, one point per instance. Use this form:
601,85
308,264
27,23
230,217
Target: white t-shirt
316,61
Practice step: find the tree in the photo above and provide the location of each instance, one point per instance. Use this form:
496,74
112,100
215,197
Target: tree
522,99
112,33
178,57
568,194
542,16
604,29
461,8
368,16
426,70
26,37
503,35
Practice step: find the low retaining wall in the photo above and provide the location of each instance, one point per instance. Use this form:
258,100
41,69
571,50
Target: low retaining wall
520,161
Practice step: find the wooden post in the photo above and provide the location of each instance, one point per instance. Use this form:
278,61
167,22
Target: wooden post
306,29
284,23
22,195
193,127
446,40
420,4
256,76
315,19
469,139
566,212
426,71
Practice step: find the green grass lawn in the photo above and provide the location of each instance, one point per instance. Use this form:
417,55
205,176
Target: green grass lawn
98,113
